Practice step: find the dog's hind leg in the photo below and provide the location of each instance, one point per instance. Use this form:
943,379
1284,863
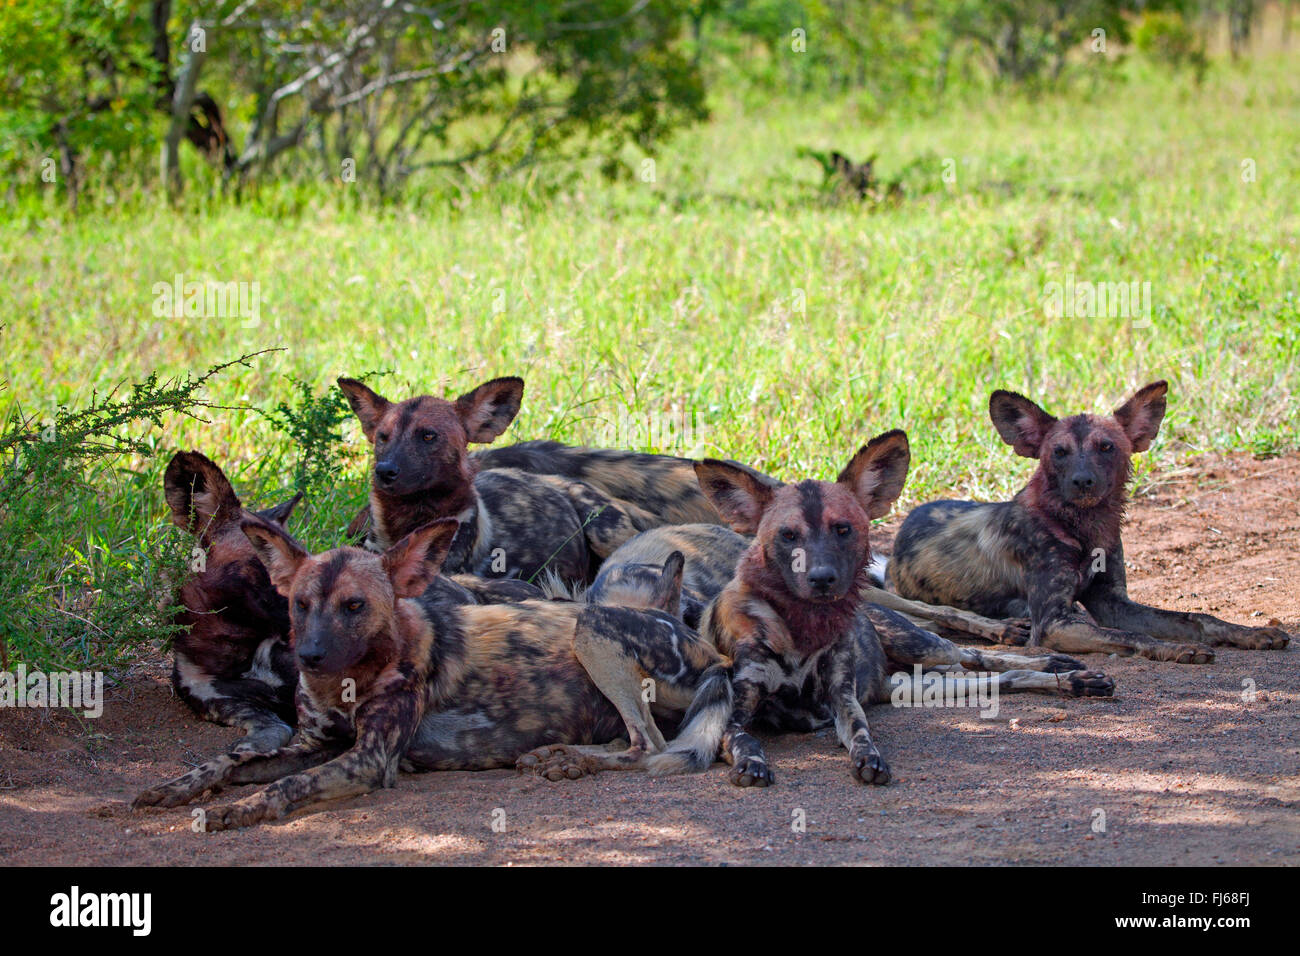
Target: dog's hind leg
986,687
264,730
906,643
661,664
1013,631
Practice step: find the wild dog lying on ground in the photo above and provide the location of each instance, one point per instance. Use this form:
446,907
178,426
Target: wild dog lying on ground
394,676
512,523
667,489
1058,542
232,663
843,175
662,485
804,647
684,568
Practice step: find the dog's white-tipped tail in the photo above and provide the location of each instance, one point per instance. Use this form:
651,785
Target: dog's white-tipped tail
696,745
876,570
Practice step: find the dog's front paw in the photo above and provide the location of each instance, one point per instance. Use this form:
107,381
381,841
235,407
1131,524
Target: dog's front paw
174,793
556,762
870,767
1062,664
1082,683
1016,631
1184,654
263,741
1257,638
163,795
244,813
751,772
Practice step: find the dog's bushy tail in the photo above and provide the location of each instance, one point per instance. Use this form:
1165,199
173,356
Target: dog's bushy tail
557,589
696,746
876,570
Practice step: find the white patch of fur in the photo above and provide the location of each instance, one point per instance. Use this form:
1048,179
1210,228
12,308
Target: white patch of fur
262,669
554,586
194,679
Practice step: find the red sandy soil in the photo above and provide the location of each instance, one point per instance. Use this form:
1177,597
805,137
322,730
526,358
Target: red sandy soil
1183,769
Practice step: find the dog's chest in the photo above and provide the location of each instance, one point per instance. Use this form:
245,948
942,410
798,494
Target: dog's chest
329,707
798,700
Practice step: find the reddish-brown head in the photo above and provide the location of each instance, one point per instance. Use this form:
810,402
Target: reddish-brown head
421,444
342,603
231,580
812,536
1083,460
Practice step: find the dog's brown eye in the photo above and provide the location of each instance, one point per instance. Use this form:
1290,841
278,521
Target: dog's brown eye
430,436
842,529
788,535
355,605
303,605
382,437
1061,452
1106,446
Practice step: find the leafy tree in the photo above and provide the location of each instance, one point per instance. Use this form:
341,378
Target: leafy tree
77,76
368,88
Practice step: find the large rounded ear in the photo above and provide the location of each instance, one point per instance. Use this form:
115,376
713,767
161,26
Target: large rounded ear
740,497
1021,423
198,493
415,561
668,589
280,554
876,474
488,410
1142,414
280,513
368,405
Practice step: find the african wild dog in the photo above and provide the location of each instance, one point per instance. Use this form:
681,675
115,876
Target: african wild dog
512,523
804,647
232,663
662,485
391,676
666,488
1058,541
843,175
682,570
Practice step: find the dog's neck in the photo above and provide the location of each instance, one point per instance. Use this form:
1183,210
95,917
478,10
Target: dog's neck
393,517
812,625
1087,528
433,632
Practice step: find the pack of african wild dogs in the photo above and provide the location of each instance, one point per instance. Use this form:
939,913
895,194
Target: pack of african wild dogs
568,610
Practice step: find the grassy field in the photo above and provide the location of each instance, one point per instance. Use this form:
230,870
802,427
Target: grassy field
730,292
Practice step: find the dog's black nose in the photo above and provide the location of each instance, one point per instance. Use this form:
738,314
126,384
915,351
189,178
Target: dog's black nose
822,578
1082,482
386,471
310,658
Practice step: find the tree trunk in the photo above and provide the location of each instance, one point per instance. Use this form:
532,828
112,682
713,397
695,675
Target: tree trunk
182,104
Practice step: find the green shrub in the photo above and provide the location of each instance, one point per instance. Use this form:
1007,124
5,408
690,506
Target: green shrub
86,567
1164,36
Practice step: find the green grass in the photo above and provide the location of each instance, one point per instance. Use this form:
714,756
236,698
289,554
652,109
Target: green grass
641,298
